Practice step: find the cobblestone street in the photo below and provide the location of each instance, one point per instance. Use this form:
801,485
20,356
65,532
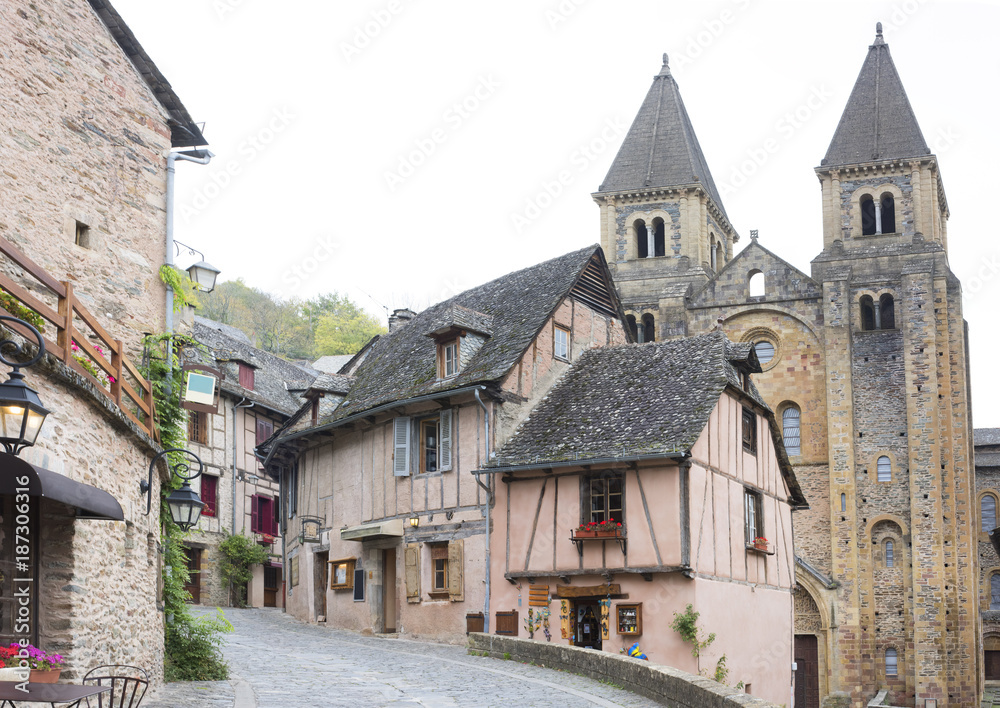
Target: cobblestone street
278,662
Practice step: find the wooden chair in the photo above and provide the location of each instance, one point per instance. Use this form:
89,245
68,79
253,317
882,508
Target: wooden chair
128,687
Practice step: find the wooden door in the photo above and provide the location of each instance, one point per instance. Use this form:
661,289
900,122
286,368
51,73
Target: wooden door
992,665
320,582
588,623
193,585
389,590
807,671
272,581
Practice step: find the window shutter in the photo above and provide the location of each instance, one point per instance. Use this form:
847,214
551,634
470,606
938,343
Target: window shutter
412,567
275,516
209,495
444,456
265,429
401,447
456,579
255,513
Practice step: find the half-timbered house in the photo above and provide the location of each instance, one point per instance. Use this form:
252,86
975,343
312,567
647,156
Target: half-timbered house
650,478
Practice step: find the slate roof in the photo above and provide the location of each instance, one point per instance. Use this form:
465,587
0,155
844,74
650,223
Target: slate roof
988,459
331,383
184,132
878,122
277,382
403,363
661,148
986,436
332,364
632,400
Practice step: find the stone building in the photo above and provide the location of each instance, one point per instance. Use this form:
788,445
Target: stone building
89,121
987,451
258,393
865,364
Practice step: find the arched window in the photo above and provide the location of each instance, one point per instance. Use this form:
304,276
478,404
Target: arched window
648,329
995,591
756,283
790,430
641,238
890,559
720,255
630,320
867,215
867,313
888,215
988,512
887,312
764,350
659,238
891,662
711,253
884,467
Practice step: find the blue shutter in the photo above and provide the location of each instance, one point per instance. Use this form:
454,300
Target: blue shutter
444,457
401,447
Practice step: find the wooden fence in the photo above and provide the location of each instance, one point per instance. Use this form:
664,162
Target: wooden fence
78,337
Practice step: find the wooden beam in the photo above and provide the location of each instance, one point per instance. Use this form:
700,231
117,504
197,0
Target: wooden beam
587,590
565,574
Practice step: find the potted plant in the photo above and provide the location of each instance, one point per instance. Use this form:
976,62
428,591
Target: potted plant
760,543
598,529
45,668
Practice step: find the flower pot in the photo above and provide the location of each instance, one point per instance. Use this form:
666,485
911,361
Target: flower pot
45,676
584,533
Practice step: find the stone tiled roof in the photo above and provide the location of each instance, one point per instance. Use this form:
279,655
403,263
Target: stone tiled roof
332,364
986,436
331,383
276,380
661,149
403,363
878,122
632,400
459,317
988,459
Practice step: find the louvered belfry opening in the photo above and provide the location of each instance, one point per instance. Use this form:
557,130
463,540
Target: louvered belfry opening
593,289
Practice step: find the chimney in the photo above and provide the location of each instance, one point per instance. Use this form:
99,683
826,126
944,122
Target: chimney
398,318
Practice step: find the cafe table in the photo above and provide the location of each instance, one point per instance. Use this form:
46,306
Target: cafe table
46,693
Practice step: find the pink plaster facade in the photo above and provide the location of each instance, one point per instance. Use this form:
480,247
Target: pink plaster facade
346,478
686,543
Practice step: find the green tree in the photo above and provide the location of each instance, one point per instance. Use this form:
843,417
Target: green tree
344,333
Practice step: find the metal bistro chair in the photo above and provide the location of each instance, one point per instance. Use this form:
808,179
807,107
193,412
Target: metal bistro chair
128,687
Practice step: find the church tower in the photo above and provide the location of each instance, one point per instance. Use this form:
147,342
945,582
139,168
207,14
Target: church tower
902,521
663,226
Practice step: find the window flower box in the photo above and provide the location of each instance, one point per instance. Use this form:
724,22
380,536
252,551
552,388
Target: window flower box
604,530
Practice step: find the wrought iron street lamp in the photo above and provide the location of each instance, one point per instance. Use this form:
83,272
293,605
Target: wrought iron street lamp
202,274
21,411
184,504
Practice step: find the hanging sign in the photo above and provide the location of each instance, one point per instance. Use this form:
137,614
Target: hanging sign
201,388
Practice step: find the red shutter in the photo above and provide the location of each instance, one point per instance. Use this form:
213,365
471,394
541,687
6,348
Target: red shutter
265,429
246,376
209,494
255,501
275,518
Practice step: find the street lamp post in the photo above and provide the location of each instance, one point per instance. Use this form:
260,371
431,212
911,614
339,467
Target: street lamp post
21,411
184,504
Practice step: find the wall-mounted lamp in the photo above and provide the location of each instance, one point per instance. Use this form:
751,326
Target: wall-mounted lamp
21,411
414,521
202,274
185,505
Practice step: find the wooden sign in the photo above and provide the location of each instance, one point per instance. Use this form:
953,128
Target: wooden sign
588,590
538,596
564,618
201,388
605,619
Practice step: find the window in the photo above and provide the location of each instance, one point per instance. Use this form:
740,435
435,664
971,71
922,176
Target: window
632,328
430,438
764,350
293,570
605,497
82,235
888,215
891,663
995,591
749,431
209,494
659,238
843,502
561,343
439,567
263,512
292,493
246,376
359,584
265,429
790,430
641,238
867,314
867,215
198,427
890,559
988,512
756,283
648,332
753,515
450,359
884,469
887,312
713,262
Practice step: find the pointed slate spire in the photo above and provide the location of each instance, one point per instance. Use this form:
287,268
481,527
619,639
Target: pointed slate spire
661,149
878,122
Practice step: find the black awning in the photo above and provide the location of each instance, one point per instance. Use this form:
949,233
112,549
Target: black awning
92,503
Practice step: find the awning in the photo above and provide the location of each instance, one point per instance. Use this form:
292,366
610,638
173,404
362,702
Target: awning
91,502
373,532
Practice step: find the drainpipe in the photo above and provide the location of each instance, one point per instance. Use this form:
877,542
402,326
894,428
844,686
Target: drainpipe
241,404
486,600
201,157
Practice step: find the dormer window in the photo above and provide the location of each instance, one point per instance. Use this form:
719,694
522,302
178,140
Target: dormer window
449,358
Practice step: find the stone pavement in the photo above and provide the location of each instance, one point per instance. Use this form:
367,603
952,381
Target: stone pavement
278,662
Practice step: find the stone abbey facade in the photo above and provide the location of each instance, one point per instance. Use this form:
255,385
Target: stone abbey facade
865,365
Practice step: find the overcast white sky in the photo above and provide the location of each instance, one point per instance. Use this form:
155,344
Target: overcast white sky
393,149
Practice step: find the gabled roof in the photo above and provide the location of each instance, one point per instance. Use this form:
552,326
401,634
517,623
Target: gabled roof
403,363
661,148
184,132
878,122
638,400
332,363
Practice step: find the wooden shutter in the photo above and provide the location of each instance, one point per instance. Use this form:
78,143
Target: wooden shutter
275,516
209,494
265,429
246,376
444,433
255,513
456,570
412,566
401,447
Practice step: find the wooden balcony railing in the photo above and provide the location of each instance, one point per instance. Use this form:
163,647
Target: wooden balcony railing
78,337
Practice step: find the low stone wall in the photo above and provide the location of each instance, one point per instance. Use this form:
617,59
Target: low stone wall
667,685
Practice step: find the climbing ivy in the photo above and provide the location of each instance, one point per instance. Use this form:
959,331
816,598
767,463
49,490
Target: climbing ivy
239,553
184,289
686,625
